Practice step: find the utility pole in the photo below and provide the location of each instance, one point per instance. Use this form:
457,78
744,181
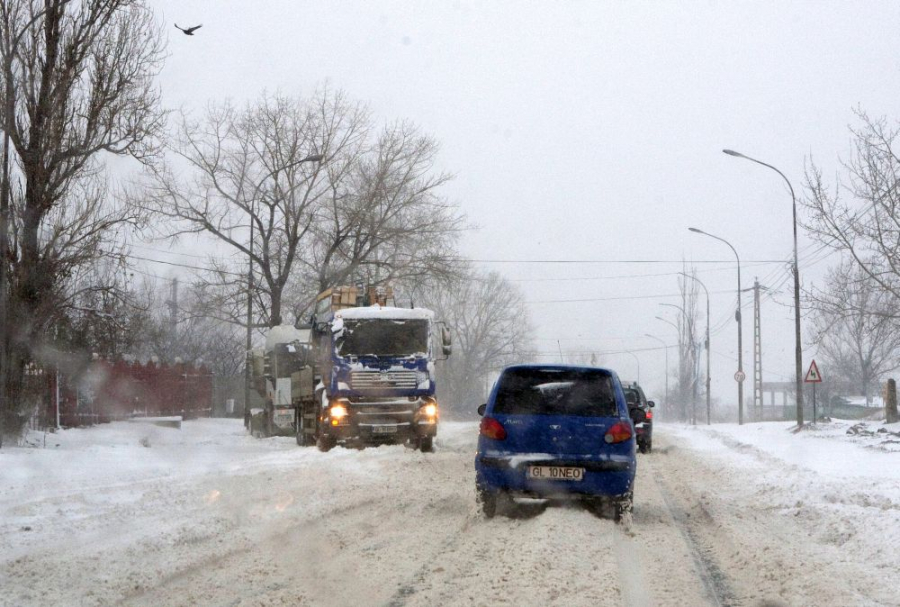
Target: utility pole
173,308
757,354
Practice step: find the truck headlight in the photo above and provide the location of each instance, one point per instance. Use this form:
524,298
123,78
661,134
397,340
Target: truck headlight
430,410
337,412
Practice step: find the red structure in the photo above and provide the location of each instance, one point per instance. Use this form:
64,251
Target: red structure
106,391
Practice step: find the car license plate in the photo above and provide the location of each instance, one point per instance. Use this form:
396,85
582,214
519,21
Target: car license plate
555,473
384,429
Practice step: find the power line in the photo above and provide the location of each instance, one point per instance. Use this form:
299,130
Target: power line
624,297
587,261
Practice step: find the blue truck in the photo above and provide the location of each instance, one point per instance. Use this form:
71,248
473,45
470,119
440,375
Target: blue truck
373,372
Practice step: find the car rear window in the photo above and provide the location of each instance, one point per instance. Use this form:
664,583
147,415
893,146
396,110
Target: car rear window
556,392
633,397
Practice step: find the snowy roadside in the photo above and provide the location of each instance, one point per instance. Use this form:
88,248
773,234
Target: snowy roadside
842,489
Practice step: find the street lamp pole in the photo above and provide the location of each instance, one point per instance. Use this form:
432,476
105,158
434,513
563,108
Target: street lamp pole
638,361
678,336
666,349
737,316
248,376
705,290
798,349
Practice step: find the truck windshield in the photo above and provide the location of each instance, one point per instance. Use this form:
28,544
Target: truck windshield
383,337
556,392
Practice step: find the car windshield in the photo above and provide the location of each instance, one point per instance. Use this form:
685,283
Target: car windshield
384,337
556,392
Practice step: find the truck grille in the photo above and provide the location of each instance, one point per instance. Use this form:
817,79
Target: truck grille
381,380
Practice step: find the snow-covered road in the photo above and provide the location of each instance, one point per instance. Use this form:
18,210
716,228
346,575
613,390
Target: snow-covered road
207,515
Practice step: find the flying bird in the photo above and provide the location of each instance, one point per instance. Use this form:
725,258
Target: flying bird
189,31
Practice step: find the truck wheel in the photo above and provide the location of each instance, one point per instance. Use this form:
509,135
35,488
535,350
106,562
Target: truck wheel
426,444
326,443
304,439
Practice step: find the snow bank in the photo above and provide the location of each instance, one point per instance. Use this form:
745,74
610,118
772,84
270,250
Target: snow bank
842,489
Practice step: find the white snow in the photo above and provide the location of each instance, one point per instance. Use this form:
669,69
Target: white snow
386,312
130,514
843,490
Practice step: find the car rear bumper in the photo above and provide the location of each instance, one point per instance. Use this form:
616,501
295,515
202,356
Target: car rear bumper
608,477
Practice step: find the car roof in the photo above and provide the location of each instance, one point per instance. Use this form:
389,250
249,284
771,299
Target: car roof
560,367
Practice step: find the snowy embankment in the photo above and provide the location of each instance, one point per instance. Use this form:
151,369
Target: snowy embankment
840,480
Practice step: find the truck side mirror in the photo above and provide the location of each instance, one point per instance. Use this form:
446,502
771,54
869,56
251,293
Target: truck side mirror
446,341
481,409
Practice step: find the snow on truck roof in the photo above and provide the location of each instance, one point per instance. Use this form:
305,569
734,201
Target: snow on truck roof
385,312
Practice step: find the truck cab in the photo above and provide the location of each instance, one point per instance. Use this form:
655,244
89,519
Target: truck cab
376,383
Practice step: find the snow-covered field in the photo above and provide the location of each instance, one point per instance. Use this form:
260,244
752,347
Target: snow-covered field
129,513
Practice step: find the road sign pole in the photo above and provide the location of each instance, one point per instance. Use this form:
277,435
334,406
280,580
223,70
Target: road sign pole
814,403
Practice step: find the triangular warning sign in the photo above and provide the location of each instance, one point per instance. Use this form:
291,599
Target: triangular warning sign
813,376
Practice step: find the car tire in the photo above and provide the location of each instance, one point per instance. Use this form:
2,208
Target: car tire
426,444
642,447
326,443
487,500
649,446
623,507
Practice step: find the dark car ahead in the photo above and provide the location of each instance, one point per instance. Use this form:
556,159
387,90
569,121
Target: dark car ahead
635,398
555,431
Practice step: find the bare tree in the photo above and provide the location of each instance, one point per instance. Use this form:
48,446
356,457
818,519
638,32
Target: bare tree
860,213
491,329
254,183
685,393
854,328
77,83
386,223
324,201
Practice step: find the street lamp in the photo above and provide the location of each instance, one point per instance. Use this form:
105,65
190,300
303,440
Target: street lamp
798,350
678,335
700,282
666,348
249,336
740,372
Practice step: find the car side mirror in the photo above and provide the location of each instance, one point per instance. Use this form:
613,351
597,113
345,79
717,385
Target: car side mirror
638,416
446,341
481,409
651,404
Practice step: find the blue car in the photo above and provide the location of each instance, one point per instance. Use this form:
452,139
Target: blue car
556,431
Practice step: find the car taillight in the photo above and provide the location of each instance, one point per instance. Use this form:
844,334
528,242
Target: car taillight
649,414
492,429
618,433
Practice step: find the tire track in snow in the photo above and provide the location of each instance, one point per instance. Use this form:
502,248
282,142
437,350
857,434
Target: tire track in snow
715,582
631,571
241,551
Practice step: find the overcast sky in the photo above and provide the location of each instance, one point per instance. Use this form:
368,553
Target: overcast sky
590,131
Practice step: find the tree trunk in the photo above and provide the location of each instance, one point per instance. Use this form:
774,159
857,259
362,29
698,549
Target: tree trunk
890,402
